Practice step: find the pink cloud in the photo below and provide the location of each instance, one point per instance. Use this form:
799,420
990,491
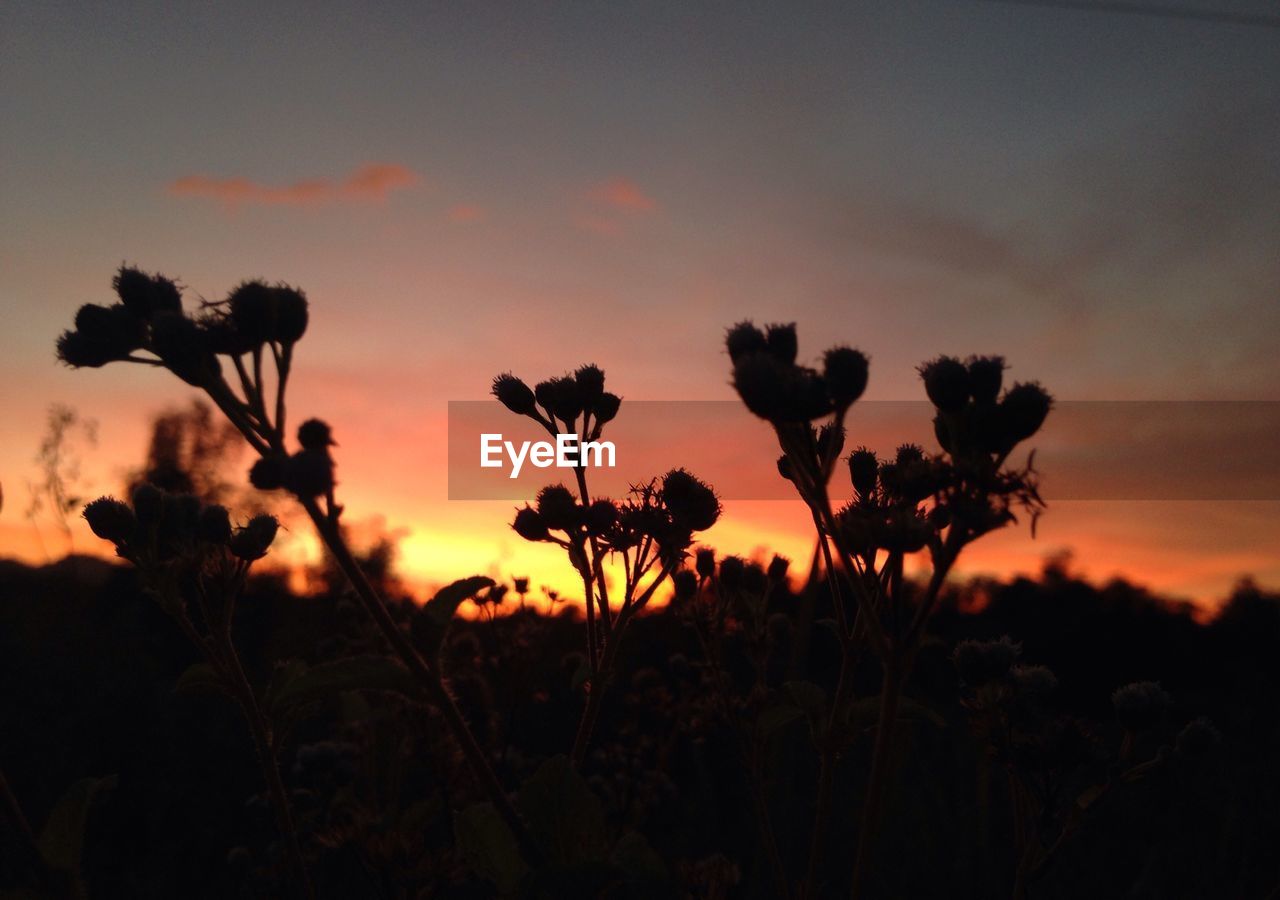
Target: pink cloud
369,183
466,212
623,194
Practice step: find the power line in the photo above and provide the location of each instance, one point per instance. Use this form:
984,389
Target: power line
1144,9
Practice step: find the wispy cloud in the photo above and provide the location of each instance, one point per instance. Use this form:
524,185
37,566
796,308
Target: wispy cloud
373,182
466,213
605,206
624,195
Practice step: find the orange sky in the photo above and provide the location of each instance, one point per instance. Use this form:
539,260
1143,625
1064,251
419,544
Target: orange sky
531,189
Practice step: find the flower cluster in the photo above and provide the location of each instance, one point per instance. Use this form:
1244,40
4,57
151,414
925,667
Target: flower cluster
149,318
776,388
967,492
160,528
1141,706
662,514
650,531
562,401
306,474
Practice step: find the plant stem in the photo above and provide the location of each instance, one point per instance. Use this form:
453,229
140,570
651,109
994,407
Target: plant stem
271,771
826,776
428,677
600,679
20,824
890,693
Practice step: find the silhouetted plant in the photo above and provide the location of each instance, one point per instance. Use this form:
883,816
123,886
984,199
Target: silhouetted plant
935,503
66,434
194,564
649,532
257,325
1059,774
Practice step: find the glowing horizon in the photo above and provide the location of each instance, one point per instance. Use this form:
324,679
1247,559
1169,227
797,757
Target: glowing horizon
529,190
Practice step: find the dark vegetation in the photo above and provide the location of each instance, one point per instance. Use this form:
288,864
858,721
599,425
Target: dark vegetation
90,668
187,727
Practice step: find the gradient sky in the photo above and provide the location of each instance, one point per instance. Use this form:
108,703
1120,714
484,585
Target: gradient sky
531,186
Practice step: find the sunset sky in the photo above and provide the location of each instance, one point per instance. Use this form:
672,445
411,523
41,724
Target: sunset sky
527,187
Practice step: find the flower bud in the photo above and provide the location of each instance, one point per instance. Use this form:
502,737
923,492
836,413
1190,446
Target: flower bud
1198,739
845,371
291,314
744,339
812,398
784,467
529,525
314,434
985,376
521,584
1024,409
181,347
705,562
600,516
215,524
309,473
590,382
102,334
148,501
758,377
980,662
514,394
781,342
685,584
830,441
864,469
252,541
1140,705
81,350
219,335
1034,680
254,308
946,381
606,408
557,507
560,397
110,519
269,473
145,295
691,502
732,571
904,532
855,527
907,454
778,567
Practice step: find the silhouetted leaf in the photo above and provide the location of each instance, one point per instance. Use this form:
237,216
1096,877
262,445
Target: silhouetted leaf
284,673
357,673
61,840
865,713
489,847
200,678
806,695
566,818
642,868
432,621
777,716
